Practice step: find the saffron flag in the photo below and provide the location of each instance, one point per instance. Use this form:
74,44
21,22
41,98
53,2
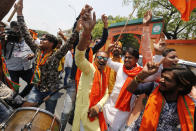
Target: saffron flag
185,7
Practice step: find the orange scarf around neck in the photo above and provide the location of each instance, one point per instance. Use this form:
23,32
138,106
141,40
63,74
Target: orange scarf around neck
154,106
41,60
97,93
124,98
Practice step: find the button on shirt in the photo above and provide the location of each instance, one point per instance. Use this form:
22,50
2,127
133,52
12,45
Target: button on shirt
18,60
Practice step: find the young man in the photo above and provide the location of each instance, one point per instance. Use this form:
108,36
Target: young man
45,78
68,110
92,90
120,102
168,106
116,57
169,59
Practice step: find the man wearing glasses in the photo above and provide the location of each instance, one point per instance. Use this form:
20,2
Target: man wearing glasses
92,90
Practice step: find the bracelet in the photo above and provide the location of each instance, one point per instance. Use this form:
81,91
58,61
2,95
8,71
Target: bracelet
138,80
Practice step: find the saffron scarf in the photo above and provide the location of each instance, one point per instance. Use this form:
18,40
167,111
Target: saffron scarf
78,72
154,106
14,86
124,98
41,60
97,93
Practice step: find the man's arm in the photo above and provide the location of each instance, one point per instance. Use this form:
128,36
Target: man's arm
94,111
88,24
104,37
149,69
63,50
114,65
104,99
23,28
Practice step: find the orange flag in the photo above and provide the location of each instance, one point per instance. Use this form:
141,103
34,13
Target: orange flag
185,7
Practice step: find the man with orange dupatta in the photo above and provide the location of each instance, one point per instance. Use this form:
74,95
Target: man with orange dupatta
169,106
92,90
116,56
45,79
120,102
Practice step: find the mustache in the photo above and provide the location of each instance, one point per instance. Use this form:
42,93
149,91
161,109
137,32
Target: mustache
102,63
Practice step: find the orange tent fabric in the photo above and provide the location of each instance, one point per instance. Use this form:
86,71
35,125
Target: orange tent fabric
185,7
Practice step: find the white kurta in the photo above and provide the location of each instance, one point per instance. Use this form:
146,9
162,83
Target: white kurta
114,117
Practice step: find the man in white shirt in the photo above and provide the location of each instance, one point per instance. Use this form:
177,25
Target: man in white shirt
68,65
116,114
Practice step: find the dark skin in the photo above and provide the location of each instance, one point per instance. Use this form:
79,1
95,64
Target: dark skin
88,22
129,61
101,63
170,60
45,45
117,51
168,86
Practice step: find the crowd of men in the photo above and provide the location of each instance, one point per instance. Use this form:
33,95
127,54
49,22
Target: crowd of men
104,89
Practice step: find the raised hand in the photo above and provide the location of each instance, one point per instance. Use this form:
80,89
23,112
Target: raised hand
147,17
88,22
110,47
105,20
19,7
151,68
60,33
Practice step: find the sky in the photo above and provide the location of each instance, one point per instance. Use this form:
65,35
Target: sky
49,15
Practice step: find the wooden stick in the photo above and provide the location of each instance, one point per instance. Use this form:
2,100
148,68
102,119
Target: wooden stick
12,15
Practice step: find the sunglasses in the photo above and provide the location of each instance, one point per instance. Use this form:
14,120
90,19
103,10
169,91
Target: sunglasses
101,57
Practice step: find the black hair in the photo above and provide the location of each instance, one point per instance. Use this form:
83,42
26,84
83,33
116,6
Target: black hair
13,24
52,38
59,40
184,77
167,51
133,52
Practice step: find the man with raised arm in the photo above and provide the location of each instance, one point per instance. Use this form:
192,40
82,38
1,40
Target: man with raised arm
45,78
168,107
69,102
121,102
92,90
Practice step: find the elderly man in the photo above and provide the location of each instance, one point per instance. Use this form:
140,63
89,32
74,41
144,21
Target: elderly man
92,89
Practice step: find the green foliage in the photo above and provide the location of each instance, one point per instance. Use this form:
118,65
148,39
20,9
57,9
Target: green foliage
174,27
41,32
98,29
128,40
